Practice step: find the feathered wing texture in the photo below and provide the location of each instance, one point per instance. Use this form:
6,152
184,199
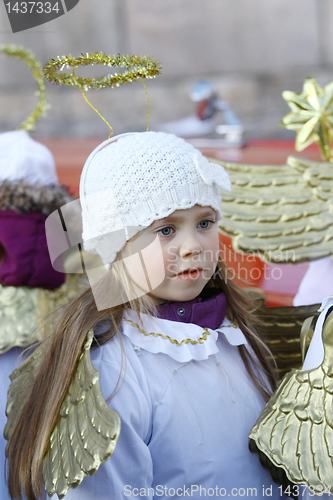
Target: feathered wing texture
22,310
295,429
85,434
87,428
17,316
283,327
282,212
22,380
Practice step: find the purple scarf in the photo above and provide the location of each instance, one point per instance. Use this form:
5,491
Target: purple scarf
207,313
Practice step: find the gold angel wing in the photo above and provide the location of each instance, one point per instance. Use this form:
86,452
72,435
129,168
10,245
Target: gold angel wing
283,213
295,429
17,316
283,327
23,309
86,432
87,428
22,380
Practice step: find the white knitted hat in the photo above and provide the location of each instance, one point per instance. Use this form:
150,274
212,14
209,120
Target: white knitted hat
22,158
131,180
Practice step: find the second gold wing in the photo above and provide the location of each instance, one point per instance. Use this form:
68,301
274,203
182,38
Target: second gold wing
282,213
295,429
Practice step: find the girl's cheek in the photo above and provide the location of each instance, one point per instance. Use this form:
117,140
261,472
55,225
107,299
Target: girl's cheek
135,270
169,253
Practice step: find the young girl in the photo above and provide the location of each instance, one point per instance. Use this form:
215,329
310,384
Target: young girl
174,344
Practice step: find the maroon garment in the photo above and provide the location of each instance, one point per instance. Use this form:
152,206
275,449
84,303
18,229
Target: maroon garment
208,310
26,260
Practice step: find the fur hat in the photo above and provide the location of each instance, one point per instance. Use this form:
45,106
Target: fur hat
131,180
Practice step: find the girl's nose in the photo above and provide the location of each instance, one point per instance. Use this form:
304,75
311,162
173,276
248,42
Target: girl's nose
190,246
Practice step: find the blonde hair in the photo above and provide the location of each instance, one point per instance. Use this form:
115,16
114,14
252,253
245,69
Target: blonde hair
30,439
117,287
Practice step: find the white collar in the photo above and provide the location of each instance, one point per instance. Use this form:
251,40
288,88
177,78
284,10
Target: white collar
181,341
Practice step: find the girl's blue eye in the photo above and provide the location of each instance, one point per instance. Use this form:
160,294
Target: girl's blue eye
165,231
204,224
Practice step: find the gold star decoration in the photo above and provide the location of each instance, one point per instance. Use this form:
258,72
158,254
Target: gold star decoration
311,116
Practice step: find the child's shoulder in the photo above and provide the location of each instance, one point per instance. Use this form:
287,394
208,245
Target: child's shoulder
117,359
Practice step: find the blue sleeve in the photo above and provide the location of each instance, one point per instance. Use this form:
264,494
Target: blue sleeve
8,362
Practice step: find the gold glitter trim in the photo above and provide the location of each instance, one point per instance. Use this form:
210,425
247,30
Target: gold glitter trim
173,341
136,67
227,326
29,58
141,67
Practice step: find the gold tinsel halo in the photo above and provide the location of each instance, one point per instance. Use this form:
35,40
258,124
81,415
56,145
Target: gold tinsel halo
29,58
136,67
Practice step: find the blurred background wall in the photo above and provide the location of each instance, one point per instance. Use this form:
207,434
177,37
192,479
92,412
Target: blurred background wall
250,50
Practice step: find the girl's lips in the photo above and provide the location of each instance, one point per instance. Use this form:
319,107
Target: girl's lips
190,275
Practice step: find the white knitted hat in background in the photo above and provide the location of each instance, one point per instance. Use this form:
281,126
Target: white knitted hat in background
131,180
22,158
